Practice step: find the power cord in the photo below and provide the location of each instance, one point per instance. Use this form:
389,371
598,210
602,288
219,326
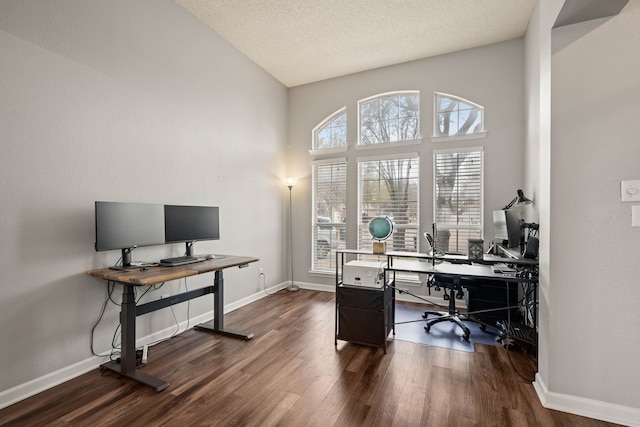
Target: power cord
513,366
110,288
262,277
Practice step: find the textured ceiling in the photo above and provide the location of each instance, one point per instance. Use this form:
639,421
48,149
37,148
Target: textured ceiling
303,41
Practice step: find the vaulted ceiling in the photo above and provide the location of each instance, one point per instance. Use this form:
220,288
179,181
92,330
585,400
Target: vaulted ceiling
303,41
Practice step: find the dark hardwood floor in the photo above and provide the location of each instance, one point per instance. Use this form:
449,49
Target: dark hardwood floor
291,374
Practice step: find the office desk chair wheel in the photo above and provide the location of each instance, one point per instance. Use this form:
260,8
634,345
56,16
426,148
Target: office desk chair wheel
449,318
452,314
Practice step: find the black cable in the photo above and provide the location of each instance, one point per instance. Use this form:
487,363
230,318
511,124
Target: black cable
115,348
404,291
113,287
104,307
511,361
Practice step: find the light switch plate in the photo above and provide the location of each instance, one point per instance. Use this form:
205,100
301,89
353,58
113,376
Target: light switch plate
630,191
635,216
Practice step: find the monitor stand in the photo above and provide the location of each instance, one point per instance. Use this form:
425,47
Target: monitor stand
126,260
497,249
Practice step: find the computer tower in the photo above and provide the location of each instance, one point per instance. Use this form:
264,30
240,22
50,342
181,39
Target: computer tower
494,296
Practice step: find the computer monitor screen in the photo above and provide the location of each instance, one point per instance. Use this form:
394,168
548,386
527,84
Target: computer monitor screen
507,228
128,225
500,225
191,223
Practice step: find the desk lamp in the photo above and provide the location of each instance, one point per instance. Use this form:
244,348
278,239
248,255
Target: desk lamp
519,200
290,183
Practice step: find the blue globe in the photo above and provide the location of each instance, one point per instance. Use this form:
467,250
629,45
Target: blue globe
381,228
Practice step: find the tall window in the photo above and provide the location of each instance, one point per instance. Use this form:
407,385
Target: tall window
455,116
389,187
329,213
458,197
390,117
332,131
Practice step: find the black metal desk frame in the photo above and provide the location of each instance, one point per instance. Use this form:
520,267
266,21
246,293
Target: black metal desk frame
456,276
130,310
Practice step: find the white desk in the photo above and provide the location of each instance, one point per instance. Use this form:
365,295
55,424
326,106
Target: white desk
459,267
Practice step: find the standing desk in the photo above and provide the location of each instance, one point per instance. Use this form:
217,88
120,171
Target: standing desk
129,279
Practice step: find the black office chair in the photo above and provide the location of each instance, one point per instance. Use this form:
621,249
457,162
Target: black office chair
454,288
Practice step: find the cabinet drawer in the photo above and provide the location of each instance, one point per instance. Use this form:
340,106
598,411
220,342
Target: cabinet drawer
370,299
361,326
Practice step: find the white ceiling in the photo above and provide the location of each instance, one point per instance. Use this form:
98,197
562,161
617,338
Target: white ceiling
303,41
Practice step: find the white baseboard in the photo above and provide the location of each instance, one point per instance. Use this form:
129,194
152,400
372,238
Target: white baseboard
590,408
45,382
37,385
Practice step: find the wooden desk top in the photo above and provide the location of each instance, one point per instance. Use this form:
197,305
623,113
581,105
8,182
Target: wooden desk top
159,274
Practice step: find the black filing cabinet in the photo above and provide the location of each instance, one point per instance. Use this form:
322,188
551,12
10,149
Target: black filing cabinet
364,315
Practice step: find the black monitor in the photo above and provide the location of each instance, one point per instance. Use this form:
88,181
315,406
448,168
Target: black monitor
507,228
126,226
189,224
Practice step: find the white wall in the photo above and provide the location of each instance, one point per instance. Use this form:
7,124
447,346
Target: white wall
538,142
492,76
123,101
589,297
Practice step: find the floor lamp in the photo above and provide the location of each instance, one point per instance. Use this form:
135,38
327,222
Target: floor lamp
292,286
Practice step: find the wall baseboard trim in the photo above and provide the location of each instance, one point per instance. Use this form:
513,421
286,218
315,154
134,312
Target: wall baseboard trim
590,408
45,382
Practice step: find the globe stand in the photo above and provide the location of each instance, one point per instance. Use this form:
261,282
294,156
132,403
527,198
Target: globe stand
379,248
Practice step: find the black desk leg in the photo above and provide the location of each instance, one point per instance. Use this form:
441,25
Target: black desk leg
127,365
217,324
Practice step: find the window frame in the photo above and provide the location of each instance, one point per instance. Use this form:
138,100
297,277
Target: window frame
320,126
332,227
360,145
440,138
362,225
479,227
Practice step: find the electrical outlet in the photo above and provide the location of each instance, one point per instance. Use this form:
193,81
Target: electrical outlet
261,270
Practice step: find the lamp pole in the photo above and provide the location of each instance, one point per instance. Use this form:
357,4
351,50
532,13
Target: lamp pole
292,287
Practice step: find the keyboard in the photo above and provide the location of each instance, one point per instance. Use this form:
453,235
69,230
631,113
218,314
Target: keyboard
180,260
503,269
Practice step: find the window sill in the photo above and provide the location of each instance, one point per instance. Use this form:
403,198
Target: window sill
458,137
322,273
328,151
388,144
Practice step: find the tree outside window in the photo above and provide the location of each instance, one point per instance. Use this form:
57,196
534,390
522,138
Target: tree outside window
457,198
389,188
332,132
455,116
390,117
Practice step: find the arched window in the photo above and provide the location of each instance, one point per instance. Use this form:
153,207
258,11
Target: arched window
389,117
456,117
332,131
